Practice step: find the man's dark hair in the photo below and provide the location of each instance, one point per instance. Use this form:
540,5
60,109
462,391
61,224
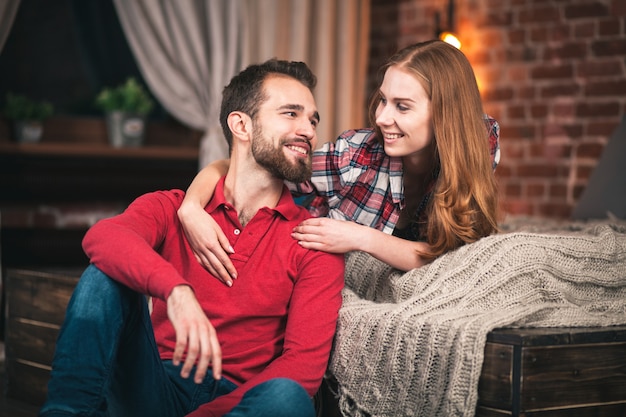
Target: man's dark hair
245,91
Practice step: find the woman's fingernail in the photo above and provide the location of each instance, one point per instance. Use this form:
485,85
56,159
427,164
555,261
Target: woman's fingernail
231,250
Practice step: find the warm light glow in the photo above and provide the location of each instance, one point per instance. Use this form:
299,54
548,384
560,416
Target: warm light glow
450,38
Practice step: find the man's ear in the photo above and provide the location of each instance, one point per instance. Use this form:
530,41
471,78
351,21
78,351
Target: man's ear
240,125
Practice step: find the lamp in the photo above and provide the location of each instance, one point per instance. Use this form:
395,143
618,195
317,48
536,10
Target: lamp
447,35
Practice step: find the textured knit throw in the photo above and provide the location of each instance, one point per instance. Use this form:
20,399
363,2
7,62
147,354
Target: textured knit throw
412,344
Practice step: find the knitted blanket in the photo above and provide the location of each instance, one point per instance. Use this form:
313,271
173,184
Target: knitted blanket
412,344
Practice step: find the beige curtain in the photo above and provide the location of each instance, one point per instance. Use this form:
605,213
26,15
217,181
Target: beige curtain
187,51
329,35
8,10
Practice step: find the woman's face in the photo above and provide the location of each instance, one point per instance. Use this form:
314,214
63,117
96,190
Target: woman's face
403,115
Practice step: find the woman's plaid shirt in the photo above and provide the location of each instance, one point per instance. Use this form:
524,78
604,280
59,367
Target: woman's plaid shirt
353,179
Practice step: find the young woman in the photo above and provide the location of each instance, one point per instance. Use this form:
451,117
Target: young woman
419,184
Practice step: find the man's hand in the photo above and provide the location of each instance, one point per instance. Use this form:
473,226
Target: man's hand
194,334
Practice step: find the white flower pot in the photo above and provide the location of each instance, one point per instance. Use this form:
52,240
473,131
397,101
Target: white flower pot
125,129
28,131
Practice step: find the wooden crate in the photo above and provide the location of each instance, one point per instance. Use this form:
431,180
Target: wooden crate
35,309
554,372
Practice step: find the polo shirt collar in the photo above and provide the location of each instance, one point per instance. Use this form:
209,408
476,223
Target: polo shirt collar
286,207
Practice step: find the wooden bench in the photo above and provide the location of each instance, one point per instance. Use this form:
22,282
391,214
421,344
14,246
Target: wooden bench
552,372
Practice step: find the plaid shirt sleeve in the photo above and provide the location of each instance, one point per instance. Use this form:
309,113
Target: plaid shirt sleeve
494,140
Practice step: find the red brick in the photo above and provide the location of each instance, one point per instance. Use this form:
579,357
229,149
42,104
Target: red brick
497,17
584,30
557,90
538,111
535,150
554,152
534,170
543,72
526,92
536,15
601,109
523,54
602,128
606,88
513,190
610,47
499,94
555,210
480,57
586,10
517,73
539,34
517,36
518,207
513,150
583,172
535,190
558,190
609,27
618,8
491,39
572,131
599,67
517,131
589,150
503,171
570,50
559,33
516,112
564,109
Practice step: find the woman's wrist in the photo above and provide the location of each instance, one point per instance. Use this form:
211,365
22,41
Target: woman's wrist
187,209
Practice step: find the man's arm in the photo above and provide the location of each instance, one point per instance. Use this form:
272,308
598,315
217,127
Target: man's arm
123,247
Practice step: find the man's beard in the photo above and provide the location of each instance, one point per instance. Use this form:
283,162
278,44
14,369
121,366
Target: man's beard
274,160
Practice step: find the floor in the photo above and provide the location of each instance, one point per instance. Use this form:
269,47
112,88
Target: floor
10,407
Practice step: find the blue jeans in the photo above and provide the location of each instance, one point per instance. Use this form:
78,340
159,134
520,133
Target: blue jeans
106,363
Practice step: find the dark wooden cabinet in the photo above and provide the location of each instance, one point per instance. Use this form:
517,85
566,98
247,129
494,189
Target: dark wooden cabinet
41,181
554,372
36,303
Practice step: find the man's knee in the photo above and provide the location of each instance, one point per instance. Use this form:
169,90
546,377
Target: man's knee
283,397
96,292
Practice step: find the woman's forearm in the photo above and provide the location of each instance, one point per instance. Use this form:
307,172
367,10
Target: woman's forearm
203,185
399,253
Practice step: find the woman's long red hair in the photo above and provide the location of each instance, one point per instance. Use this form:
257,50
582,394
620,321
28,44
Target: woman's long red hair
464,205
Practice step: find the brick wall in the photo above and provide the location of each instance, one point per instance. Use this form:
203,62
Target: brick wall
552,72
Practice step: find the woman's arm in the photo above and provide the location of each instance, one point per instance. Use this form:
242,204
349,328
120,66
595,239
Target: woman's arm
205,237
341,236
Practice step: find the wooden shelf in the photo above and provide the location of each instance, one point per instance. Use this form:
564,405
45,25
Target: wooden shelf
97,150
75,170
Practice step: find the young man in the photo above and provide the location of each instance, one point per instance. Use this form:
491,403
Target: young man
260,348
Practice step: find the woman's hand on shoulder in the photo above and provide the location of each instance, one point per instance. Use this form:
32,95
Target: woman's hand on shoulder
208,242
331,235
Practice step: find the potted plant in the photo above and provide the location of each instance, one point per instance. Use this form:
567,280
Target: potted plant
27,116
126,107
